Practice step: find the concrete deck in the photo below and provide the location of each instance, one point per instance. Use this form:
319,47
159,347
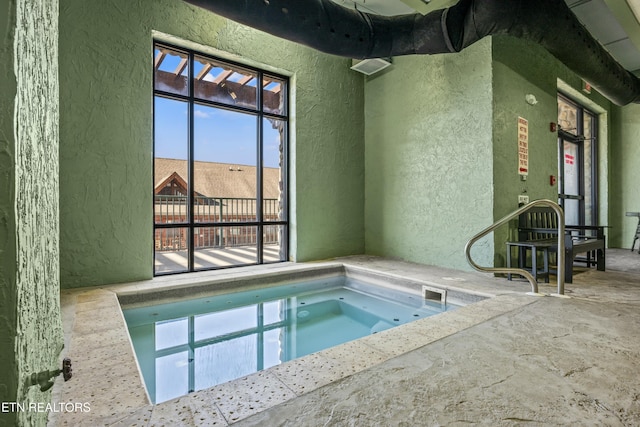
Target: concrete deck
176,261
509,360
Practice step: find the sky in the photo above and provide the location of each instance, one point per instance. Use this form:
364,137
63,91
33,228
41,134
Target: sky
220,135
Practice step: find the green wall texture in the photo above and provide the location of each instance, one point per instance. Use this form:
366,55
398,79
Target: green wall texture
625,169
428,157
441,155
522,68
106,135
29,278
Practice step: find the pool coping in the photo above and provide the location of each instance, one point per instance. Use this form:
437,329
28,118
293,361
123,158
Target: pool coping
107,375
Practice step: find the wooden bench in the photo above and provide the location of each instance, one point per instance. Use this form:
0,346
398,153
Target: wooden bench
538,232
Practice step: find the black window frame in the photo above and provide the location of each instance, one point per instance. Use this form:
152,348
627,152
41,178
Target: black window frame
259,112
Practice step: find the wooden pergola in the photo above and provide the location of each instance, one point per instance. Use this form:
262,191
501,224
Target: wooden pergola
218,82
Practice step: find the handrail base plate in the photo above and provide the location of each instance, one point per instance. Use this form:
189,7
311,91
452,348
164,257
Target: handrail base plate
536,294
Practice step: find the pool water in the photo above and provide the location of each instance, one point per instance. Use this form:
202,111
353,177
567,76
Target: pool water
196,344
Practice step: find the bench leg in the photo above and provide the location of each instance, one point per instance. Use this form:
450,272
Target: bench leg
568,266
601,260
509,261
534,263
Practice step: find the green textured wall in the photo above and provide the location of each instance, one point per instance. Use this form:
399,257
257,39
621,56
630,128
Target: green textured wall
30,309
8,267
106,131
522,68
428,158
625,168
442,153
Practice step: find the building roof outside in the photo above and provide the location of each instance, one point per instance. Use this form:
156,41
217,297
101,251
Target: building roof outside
221,179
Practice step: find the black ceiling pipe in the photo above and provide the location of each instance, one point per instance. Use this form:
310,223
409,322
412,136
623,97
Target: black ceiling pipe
331,28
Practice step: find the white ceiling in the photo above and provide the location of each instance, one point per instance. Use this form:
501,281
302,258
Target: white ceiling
614,23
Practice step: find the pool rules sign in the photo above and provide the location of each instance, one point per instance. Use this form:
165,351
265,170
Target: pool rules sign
523,146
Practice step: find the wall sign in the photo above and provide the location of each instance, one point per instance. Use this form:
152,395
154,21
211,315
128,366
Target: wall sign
523,146
569,159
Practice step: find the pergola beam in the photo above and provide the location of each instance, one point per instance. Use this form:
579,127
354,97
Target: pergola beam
181,66
223,76
207,67
159,58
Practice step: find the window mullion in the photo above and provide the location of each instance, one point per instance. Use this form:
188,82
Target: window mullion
259,177
191,183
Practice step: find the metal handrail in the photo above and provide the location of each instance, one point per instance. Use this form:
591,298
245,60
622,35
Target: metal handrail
561,254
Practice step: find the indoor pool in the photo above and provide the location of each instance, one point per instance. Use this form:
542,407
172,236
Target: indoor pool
196,344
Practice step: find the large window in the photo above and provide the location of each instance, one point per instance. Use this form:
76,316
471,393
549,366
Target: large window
220,156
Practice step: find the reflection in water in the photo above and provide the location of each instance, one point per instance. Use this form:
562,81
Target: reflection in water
200,351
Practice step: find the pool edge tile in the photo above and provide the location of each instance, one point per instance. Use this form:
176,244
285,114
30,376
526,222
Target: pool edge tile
249,395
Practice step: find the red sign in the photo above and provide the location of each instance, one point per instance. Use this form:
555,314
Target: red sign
569,159
523,146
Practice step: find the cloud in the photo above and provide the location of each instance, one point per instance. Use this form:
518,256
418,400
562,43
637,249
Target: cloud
201,114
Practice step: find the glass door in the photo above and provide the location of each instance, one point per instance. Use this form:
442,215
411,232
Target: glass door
570,190
576,162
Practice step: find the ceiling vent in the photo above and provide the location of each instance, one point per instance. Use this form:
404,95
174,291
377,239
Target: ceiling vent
370,66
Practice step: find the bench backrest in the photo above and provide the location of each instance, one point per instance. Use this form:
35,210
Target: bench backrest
537,224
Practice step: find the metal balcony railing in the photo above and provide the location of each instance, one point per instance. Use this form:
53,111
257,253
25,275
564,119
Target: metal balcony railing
223,211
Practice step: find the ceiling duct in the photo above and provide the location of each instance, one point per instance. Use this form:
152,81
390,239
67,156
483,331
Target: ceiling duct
370,66
426,6
331,28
